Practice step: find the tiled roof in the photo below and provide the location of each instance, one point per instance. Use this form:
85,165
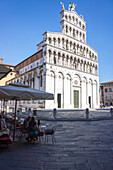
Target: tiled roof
4,71
109,82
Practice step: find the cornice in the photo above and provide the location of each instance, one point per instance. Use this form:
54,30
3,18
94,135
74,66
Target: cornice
71,69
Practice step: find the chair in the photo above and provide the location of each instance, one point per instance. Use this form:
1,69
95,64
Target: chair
23,132
50,132
5,140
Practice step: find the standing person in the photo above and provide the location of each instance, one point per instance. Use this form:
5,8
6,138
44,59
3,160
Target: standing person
38,123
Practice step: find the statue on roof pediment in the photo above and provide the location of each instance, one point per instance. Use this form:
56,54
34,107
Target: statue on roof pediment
62,5
72,6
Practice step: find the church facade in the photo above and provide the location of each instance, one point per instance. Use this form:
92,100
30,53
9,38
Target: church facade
64,65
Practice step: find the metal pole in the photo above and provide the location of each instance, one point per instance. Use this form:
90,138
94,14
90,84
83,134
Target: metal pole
111,111
15,120
1,106
54,113
87,113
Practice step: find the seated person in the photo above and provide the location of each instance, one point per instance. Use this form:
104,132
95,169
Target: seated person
33,129
3,127
26,123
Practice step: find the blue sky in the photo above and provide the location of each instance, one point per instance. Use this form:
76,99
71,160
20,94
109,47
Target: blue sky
22,23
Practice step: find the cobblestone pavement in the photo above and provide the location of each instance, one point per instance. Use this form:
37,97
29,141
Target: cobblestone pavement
79,146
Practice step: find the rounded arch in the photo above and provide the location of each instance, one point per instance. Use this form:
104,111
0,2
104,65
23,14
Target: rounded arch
95,82
90,80
52,73
84,79
78,76
61,73
68,75
50,40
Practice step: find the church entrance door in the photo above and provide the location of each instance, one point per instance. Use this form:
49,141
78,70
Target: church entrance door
76,99
59,100
89,101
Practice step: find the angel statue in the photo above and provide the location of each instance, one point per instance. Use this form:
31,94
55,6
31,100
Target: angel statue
72,6
82,17
62,5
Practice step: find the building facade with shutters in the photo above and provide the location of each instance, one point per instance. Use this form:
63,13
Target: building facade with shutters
64,65
106,93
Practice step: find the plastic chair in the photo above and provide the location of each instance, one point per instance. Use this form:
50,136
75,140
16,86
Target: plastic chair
50,132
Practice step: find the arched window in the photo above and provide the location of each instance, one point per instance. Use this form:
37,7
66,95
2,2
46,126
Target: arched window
71,59
54,58
73,19
75,66
70,46
66,29
74,48
76,21
69,18
54,41
66,17
74,33
70,30
67,57
83,38
49,56
77,34
83,27
62,42
50,40
58,42
90,54
80,36
66,44
59,58
96,70
63,60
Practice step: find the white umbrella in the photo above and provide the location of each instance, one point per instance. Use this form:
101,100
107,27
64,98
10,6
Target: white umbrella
18,91
23,92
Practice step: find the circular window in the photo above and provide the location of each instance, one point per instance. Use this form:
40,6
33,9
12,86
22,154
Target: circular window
76,82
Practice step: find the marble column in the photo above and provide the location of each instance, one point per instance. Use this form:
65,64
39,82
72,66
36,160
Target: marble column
80,94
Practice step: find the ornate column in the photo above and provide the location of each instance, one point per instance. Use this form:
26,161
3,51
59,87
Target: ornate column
92,96
55,87
80,94
86,92
63,91
97,91
71,90
32,74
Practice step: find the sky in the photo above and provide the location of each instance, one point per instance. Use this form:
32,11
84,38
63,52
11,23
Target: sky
22,23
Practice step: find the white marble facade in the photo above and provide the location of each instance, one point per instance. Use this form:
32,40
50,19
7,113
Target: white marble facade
68,67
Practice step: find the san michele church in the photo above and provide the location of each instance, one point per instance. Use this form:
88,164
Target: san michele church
64,65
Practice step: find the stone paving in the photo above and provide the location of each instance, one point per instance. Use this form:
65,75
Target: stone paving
79,146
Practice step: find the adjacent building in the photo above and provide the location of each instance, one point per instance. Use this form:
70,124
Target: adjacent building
64,65
7,72
106,93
